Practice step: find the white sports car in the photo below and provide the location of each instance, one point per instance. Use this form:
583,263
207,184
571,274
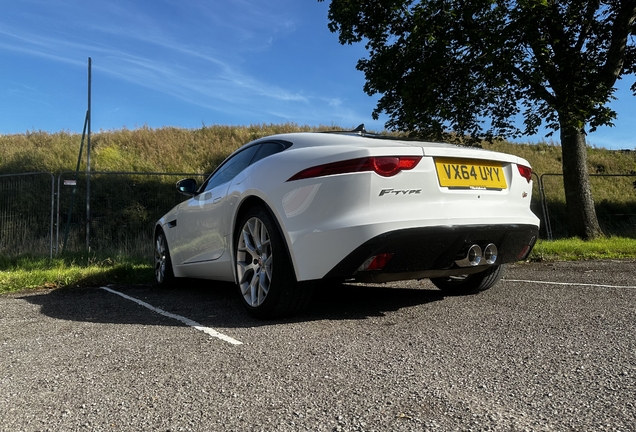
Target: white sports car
287,210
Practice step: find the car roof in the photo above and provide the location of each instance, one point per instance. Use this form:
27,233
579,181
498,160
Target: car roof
360,139
311,139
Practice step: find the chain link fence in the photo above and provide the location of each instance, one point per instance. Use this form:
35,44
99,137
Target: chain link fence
42,215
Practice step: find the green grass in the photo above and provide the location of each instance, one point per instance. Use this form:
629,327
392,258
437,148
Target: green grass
571,249
28,272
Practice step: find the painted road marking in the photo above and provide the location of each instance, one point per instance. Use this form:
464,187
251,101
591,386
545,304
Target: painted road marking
572,283
208,330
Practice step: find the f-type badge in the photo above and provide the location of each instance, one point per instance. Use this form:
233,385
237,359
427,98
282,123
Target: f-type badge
400,192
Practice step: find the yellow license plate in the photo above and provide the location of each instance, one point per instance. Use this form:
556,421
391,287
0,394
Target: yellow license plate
470,174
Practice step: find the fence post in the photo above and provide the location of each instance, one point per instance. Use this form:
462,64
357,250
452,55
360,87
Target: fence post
544,207
88,161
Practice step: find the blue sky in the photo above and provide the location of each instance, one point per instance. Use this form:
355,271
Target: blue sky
187,63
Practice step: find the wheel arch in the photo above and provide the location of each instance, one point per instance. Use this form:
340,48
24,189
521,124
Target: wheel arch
247,204
163,263
158,227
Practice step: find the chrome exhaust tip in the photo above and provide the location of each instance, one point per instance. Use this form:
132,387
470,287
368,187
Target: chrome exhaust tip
490,253
472,258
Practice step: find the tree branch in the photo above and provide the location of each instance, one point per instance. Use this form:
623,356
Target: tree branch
588,19
624,21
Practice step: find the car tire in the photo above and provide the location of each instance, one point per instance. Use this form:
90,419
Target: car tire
471,283
164,275
265,276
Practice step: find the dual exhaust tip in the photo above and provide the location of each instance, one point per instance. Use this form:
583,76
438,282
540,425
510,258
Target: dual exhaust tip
476,256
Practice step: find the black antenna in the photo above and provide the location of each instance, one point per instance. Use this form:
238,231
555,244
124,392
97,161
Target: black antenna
360,129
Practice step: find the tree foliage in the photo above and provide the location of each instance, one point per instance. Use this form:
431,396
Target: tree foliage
470,67
466,70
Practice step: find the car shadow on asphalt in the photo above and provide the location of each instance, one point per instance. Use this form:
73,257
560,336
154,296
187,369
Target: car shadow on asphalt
217,304
359,301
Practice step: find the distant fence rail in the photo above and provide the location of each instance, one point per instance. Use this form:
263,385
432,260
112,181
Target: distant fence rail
41,215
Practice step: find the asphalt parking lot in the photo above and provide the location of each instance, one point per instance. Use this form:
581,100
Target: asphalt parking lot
551,347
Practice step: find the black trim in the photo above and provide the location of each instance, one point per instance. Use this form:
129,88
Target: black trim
361,131
432,251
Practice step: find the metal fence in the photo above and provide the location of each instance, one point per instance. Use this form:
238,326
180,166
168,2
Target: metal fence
124,207
40,215
26,213
615,217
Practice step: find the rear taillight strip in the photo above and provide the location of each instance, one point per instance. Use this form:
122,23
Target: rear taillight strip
386,166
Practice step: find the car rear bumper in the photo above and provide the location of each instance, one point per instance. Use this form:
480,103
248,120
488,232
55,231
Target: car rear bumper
432,251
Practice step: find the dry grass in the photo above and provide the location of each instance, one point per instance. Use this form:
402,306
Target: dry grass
194,150
165,149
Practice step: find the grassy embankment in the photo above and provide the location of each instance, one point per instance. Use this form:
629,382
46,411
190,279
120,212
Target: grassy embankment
200,150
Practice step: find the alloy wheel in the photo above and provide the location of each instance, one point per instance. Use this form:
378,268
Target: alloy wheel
161,252
254,262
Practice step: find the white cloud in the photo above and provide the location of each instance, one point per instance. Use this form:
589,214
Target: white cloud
205,56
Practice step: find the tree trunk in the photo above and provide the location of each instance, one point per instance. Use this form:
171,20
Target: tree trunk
581,213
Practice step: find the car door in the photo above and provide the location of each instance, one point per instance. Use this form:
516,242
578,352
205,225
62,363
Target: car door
201,221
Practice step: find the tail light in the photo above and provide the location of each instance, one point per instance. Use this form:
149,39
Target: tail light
386,166
376,262
526,172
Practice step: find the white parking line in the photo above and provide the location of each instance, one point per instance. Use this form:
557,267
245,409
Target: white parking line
572,283
208,330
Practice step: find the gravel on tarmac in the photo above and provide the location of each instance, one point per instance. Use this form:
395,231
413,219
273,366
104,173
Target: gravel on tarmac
552,347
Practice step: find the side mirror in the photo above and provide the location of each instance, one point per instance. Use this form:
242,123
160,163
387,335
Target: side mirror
187,187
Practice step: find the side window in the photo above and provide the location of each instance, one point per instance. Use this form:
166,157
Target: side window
268,149
232,167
